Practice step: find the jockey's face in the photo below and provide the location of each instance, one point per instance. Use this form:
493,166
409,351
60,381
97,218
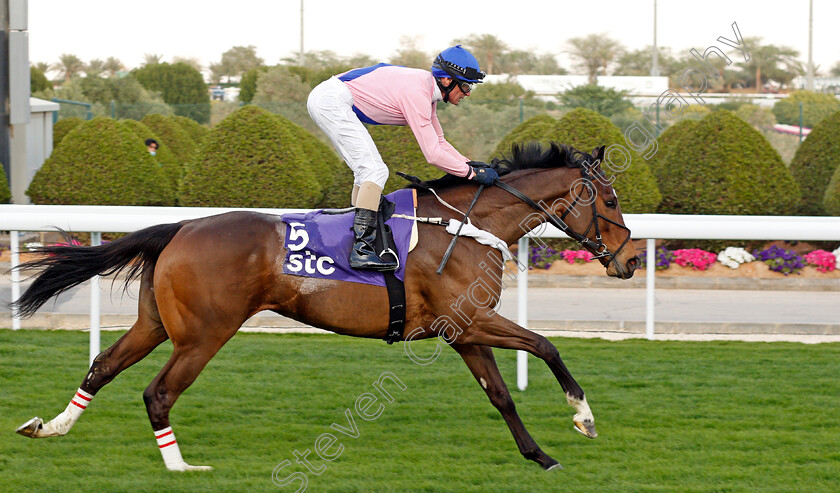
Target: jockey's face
457,94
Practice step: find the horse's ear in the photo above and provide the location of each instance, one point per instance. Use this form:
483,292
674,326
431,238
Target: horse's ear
598,153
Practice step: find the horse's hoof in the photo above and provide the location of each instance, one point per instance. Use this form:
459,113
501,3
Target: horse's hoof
555,467
31,428
586,428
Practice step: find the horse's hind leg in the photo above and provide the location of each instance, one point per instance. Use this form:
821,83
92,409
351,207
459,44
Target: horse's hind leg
145,335
502,333
482,364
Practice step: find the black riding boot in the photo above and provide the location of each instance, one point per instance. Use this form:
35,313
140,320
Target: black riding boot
363,256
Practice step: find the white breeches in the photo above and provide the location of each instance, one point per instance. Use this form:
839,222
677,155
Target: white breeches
330,105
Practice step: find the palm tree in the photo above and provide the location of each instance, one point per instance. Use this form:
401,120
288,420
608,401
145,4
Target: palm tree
487,48
152,58
68,66
112,65
594,53
95,68
769,59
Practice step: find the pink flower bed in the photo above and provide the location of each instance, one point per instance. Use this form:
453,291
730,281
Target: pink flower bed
695,258
822,260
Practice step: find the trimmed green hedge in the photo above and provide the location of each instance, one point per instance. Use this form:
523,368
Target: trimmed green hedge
334,177
164,156
816,106
669,143
585,130
815,163
722,165
401,152
195,130
5,191
174,135
64,126
101,163
250,159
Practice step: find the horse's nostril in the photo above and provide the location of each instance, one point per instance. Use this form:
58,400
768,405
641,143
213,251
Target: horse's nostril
634,263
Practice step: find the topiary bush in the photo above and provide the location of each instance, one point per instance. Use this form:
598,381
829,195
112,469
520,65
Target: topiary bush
195,130
5,191
815,163
542,128
63,127
171,133
831,197
585,130
816,106
101,163
250,159
722,165
401,152
334,177
164,156
669,143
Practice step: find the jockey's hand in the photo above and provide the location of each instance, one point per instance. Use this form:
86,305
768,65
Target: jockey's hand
483,173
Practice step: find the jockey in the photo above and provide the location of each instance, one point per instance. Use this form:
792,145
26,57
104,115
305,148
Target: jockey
391,95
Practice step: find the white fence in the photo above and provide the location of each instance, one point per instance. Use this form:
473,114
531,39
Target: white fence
97,219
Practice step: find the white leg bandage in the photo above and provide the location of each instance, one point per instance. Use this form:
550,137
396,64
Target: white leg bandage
62,423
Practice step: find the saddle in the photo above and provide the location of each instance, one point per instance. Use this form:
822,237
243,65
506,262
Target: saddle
318,245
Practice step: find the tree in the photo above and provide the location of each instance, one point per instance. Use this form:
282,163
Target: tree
280,85
95,68
517,62
835,70
68,66
112,66
639,62
191,61
604,100
486,48
248,84
38,81
408,55
180,85
239,60
772,62
151,59
815,107
594,53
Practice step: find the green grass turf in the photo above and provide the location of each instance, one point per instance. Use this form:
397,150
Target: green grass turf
672,416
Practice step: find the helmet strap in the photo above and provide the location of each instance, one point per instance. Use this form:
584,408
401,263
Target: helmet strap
446,89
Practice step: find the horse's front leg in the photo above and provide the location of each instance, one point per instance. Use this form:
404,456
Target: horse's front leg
497,331
482,364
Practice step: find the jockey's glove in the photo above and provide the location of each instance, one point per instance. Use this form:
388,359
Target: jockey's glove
482,173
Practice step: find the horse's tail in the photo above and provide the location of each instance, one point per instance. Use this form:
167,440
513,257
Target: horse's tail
65,266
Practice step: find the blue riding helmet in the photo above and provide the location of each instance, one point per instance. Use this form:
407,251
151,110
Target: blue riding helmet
457,63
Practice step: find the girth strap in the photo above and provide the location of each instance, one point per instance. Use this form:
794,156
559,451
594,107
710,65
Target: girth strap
396,289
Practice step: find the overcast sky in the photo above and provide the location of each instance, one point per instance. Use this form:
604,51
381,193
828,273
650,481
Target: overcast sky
205,29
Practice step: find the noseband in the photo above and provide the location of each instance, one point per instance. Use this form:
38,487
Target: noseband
597,246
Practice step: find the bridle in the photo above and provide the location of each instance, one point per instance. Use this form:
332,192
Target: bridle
598,247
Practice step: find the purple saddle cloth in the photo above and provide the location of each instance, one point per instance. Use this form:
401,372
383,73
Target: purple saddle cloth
318,244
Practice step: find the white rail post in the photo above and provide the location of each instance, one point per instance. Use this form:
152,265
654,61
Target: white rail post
14,244
522,311
95,240
651,276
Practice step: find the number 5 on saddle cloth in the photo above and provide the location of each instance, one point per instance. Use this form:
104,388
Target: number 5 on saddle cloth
318,245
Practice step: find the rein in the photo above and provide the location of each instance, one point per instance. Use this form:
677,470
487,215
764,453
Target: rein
598,246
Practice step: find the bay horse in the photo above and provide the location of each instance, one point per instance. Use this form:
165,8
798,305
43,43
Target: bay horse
201,279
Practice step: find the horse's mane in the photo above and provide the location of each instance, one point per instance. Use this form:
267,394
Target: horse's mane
526,155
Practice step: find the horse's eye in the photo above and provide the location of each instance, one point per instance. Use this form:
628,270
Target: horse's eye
611,203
